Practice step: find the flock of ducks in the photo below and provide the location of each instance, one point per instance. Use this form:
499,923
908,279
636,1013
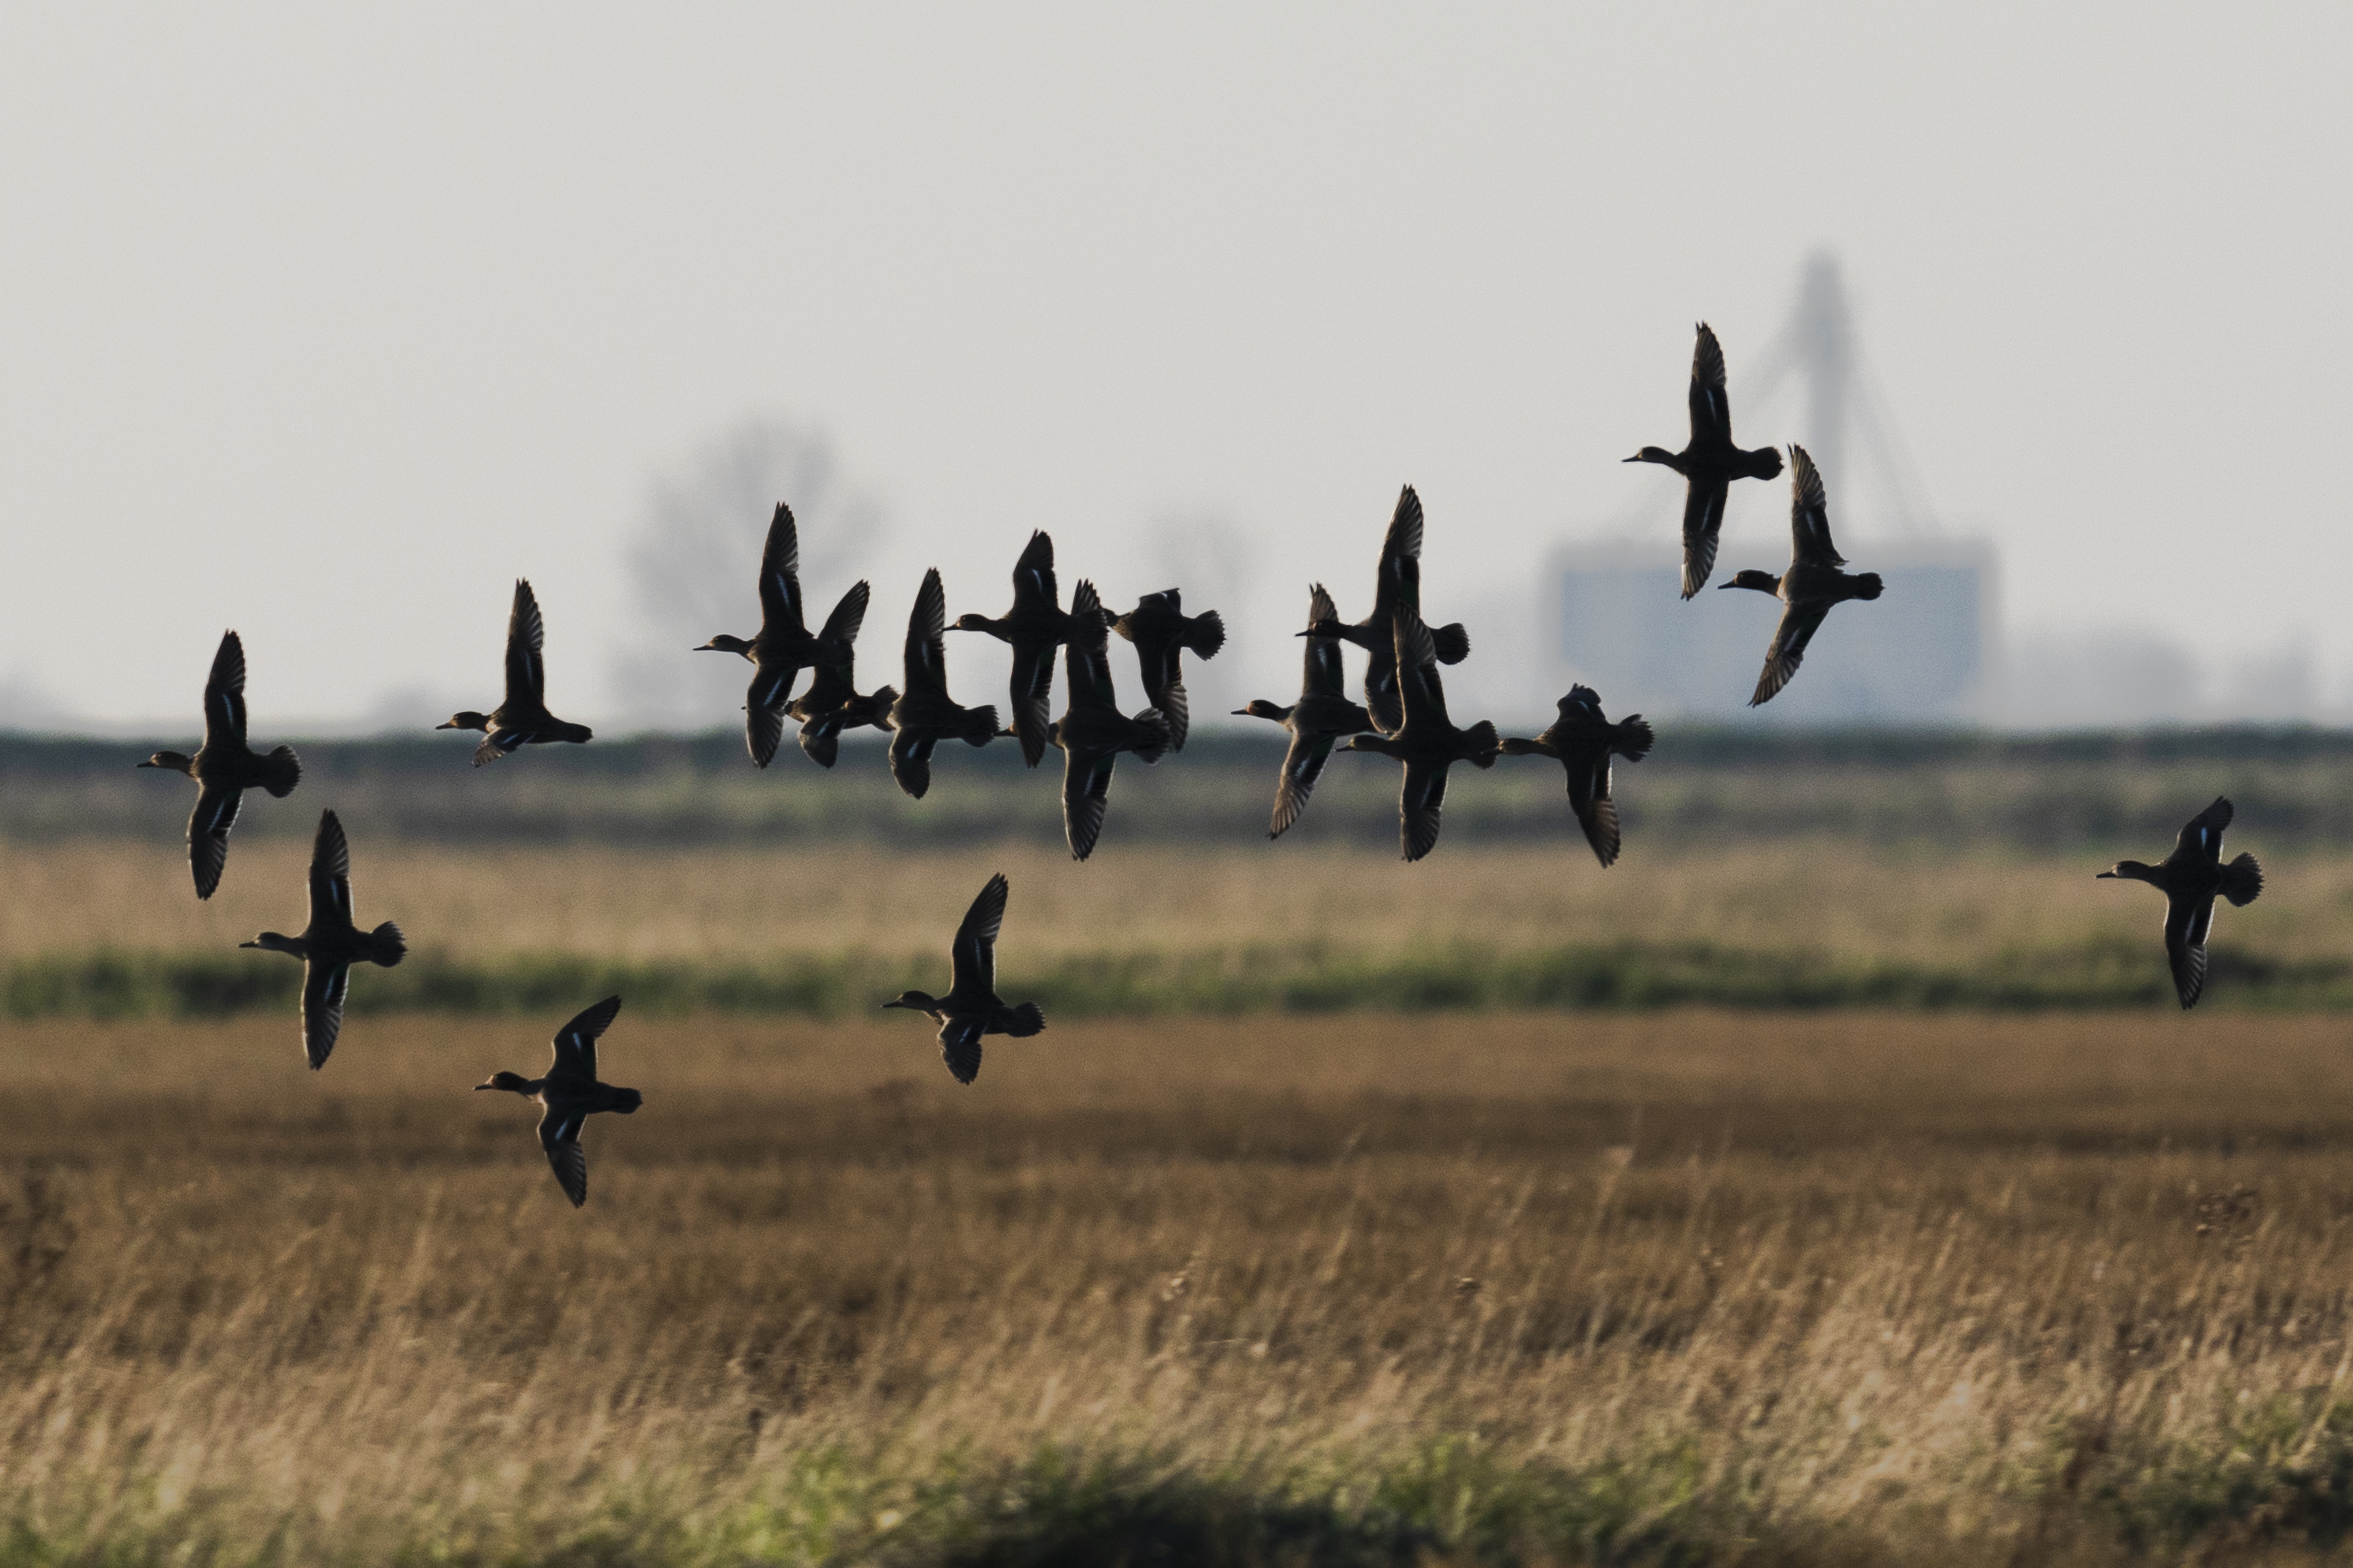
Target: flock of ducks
1403,716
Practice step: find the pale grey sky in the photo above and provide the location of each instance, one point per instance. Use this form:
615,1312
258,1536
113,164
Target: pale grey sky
327,327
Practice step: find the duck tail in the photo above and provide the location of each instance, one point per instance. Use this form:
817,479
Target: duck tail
1024,1020
2242,880
1454,644
1206,634
1866,585
979,725
282,770
1157,736
626,1101
1634,738
391,947
1484,744
1764,463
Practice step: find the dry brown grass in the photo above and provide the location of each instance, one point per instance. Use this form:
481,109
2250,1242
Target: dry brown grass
1909,1286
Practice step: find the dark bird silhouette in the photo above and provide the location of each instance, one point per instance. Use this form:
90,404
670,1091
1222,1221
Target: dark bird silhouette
924,714
1709,461
570,1094
1426,741
330,943
783,647
832,703
1092,731
1812,583
523,719
1035,626
1583,740
1397,587
1322,715
225,767
971,1008
2190,878
1163,633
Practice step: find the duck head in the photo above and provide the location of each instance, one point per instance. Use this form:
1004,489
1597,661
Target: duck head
1655,455
513,1083
1259,707
466,721
2131,872
172,760
972,622
914,1000
722,642
271,942
1763,582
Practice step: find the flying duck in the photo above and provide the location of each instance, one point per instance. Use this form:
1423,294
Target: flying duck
523,719
1709,461
1426,741
570,1094
1397,587
1812,583
1092,731
1035,626
971,1008
1583,740
330,943
1162,633
1322,715
783,647
832,703
2190,878
225,767
924,714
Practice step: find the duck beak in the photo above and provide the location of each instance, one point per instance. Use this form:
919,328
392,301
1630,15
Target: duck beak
450,725
1719,585
249,944
2103,876
480,1087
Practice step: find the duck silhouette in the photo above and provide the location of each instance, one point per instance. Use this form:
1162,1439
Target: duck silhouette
1035,626
1163,633
225,767
1709,461
1092,731
1425,740
2189,879
570,1094
330,943
1812,584
972,1008
783,647
523,719
1397,587
1322,716
832,702
924,714
1583,740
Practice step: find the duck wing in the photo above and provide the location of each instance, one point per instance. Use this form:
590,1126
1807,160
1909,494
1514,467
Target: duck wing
2200,841
1588,798
960,1046
1711,412
1798,624
2187,922
1326,673
1420,693
559,1134
927,670
763,722
500,743
911,761
849,619
972,956
1418,804
1810,515
526,670
1303,764
1402,544
1086,793
208,827
780,575
330,876
225,694
1033,576
1702,526
1088,658
575,1043
324,986
1033,697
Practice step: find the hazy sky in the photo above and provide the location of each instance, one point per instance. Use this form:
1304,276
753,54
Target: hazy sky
328,327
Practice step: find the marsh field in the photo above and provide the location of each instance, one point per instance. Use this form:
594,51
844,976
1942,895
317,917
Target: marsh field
1260,1255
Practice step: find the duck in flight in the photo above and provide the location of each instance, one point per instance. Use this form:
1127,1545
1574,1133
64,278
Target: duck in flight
1035,626
1812,585
783,647
1322,716
1426,741
1397,587
1163,633
330,943
523,719
832,702
1092,731
1709,462
971,1008
924,714
570,1094
1583,739
2189,879
225,767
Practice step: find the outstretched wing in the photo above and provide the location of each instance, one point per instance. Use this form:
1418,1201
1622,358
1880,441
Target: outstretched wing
972,957
960,1046
1303,764
324,986
1710,415
1417,805
575,1043
1702,526
331,874
780,575
849,619
911,762
1810,514
1588,798
1798,624
208,827
1421,694
2187,922
1086,794
1326,674
526,670
1088,658
2201,838
559,1134
927,670
225,693
1401,544
763,722
1033,576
